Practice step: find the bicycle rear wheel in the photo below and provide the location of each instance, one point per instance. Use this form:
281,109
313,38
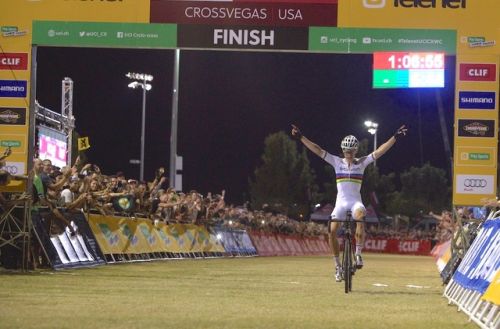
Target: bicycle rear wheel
347,264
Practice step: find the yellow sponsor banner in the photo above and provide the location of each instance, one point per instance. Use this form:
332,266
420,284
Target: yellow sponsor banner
476,156
118,235
492,294
435,14
16,19
176,233
195,239
186,238
169,238
149,233
106,231
476,129
136,241
473,185
209,242
23,12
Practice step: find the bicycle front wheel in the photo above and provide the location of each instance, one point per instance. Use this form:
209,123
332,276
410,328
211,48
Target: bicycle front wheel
347,264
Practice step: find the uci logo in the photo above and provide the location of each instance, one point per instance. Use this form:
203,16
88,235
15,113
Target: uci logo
475,183
374,3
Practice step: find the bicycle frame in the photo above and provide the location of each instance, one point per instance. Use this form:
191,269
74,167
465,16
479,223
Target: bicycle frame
348,255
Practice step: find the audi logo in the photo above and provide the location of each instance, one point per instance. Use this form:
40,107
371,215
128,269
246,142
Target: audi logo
475,182
10,169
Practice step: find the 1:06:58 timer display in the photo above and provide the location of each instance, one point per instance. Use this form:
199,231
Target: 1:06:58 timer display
408,69
408,60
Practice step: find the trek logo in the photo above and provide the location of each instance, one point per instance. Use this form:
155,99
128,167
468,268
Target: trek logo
446,4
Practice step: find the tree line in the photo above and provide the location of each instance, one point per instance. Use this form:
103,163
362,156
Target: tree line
286,183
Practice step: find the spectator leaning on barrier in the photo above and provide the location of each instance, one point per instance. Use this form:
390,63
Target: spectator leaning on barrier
40,194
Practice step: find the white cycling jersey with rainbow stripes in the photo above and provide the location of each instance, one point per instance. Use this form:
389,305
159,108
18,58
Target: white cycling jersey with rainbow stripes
349,178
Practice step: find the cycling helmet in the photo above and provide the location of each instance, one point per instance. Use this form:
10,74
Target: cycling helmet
349,143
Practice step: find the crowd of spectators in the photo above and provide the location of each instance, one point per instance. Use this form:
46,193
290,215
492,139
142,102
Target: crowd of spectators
85,188
389,232
268,222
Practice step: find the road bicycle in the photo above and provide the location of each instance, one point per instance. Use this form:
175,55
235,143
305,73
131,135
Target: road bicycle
348,255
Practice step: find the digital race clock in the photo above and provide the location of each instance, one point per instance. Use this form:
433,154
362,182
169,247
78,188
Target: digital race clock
408,70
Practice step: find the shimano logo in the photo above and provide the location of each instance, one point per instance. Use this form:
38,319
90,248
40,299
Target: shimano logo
446,4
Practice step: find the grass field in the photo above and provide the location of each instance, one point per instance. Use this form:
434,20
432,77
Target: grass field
260,292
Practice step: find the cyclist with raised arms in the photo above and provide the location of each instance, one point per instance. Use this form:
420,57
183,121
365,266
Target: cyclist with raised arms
349,174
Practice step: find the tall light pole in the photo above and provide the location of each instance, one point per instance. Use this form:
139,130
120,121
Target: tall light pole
141,80
372,129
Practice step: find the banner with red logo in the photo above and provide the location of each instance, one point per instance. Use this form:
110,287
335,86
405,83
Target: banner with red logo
286,245
395,246
13,61
478,72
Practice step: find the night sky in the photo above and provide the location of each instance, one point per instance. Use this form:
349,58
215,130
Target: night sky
229,102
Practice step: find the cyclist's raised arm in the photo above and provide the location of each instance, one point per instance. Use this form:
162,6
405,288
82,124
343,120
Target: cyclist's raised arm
390,142
313,147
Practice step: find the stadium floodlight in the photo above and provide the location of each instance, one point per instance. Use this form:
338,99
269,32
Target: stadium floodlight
372,129
139,76
140,80
133,85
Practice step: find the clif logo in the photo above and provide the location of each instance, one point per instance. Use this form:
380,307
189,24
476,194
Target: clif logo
374,4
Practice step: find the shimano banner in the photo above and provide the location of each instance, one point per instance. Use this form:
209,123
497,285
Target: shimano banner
481,262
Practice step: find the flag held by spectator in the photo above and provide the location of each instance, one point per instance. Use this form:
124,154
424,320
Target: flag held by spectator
83,143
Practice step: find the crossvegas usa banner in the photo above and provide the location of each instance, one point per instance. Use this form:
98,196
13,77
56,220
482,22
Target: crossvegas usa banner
118,235
482,261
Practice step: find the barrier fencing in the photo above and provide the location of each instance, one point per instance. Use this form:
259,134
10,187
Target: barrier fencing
475,285
109,239
136,239
64,250
396,246
268,244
